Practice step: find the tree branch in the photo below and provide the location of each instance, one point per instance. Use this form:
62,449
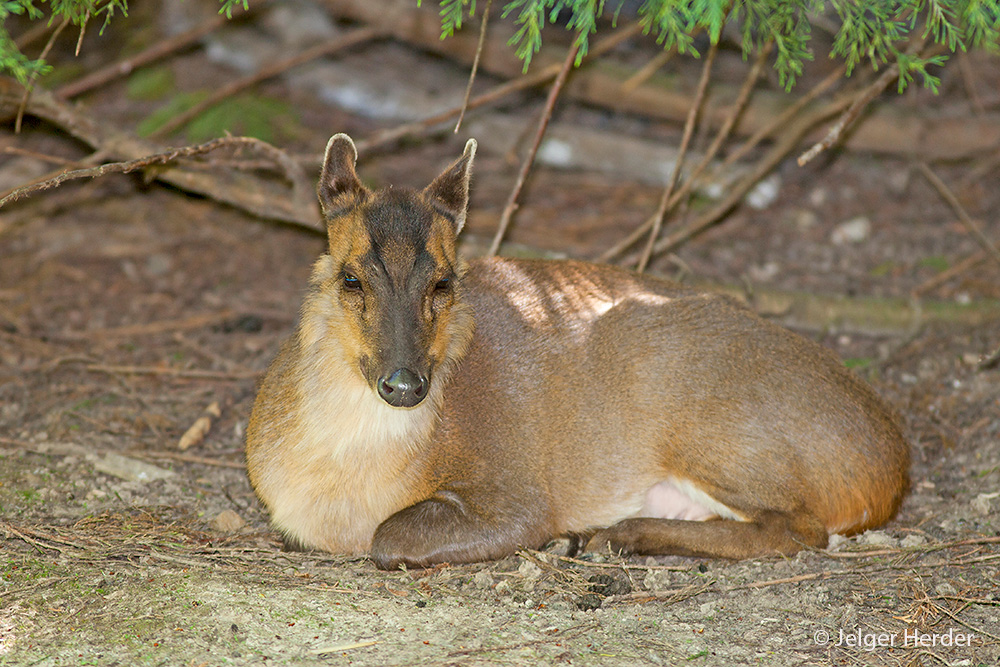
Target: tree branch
529,159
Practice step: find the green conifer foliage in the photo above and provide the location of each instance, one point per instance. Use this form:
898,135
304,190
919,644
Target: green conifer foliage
873,32
80,13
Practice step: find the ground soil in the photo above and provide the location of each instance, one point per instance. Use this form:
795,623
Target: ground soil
127,308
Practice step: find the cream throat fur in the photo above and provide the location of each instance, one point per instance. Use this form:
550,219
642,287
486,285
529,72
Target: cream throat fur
355,455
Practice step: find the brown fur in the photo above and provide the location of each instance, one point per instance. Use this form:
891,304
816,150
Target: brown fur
563,397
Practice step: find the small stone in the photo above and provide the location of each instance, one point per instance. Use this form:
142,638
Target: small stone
911,541
228,521
607,584
529,570
876,538
657,580
764,273
945,588
483,579
588,602
764,193
982,504
835,541
854,230
804,219
129,469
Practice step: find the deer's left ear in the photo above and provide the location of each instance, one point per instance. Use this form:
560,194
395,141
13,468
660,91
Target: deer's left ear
449,192
339,187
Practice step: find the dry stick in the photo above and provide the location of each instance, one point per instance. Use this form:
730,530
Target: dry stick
969,81
475,64
543,123
194,374
32,34
324,49
153,53
498,93
189,458
692,117
848,117
31,83
647,70
786,145
720,137
83,31
127,166
785,116
952,200
934,282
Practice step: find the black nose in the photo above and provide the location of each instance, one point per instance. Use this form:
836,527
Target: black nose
403,388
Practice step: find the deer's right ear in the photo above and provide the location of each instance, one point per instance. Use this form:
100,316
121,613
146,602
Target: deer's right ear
339,186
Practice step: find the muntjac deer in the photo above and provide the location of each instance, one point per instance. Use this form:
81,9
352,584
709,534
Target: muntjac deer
429,410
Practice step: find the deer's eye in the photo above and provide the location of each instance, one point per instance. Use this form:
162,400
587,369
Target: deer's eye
351,283
442,285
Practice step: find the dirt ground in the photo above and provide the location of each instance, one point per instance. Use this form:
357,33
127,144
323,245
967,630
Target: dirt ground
128,308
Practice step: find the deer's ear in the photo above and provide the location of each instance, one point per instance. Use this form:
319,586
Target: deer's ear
339,186
449,192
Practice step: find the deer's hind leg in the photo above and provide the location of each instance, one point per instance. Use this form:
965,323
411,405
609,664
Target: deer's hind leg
766,534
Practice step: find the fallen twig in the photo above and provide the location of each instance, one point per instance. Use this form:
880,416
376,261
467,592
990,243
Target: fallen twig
787,143
724,132
936,281
563,635
227,186
851,114
172,372
523,82
529,159
200,428
475,63
127,166
689,123
145,57
887,129
667,597
188,458
352,38
31,83
964,217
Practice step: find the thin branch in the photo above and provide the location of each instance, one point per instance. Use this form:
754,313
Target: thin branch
475,64
647,70
543,123
952,200
852,113
226,186
730,122
83,31
969,81
936,281
495,95
789,140
172,372
31,84
693,113
128,165
188,458
782,119
159,50
15,150
352,38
